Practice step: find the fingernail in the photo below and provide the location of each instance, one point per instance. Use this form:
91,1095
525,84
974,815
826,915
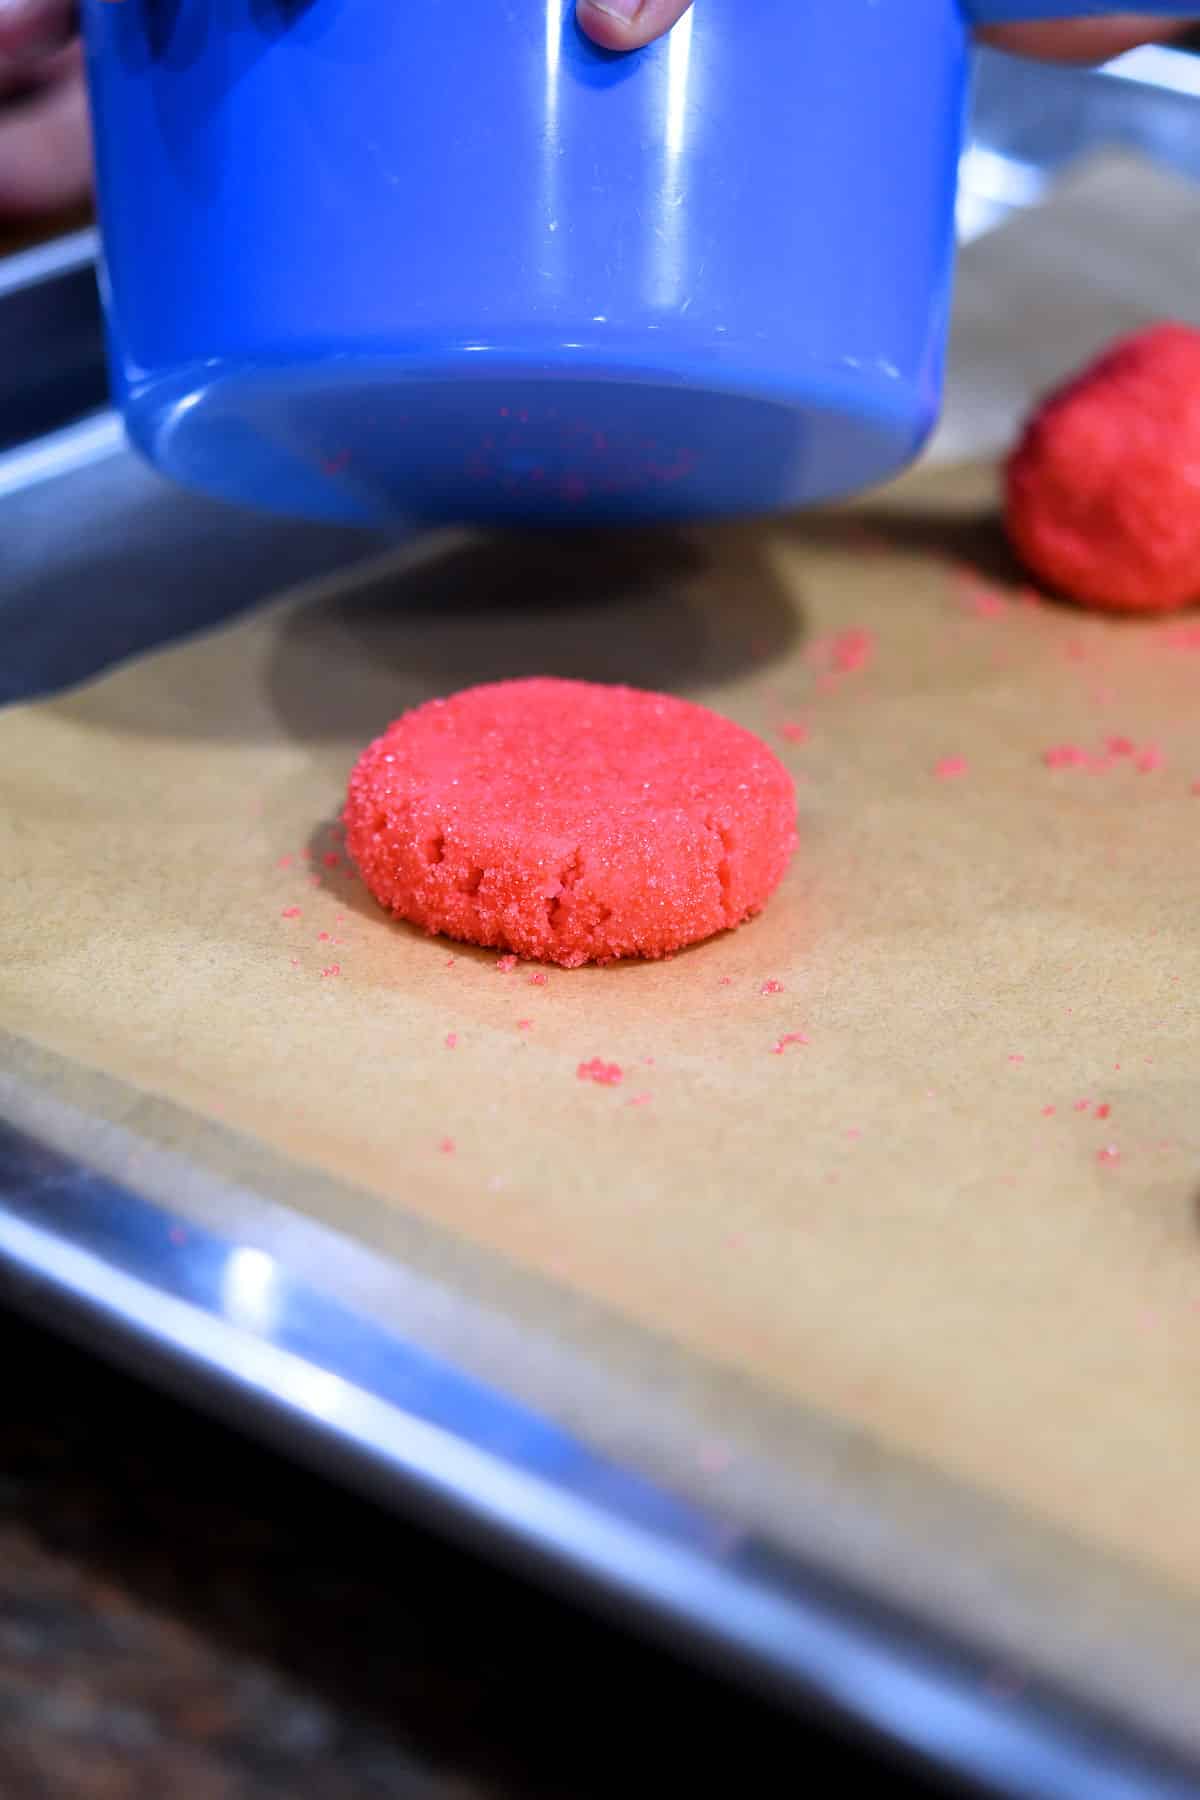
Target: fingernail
624,10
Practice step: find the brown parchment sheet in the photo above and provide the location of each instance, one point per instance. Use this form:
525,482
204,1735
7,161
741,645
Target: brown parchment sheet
890,1287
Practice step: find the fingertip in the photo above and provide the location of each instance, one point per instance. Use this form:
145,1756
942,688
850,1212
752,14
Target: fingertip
628,24
611,26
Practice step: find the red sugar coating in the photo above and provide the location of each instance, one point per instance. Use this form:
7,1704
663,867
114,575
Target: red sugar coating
569,822
1103,490
950,767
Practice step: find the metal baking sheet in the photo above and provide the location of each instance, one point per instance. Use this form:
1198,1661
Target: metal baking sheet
141,564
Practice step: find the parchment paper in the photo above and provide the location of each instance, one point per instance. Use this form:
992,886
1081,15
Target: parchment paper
863,1252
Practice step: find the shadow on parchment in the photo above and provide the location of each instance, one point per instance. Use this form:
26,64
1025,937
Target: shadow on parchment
975,539
662,610
331,667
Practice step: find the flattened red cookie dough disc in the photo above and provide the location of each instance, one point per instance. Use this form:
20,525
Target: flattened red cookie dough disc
570,822
1103,490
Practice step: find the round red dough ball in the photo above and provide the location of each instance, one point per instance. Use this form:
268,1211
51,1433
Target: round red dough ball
1103,490
570,822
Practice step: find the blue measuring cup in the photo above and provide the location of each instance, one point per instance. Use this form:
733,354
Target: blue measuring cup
371,262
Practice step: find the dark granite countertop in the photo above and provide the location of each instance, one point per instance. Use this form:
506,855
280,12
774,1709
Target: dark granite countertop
186,1615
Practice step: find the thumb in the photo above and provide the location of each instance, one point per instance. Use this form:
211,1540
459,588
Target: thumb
627,24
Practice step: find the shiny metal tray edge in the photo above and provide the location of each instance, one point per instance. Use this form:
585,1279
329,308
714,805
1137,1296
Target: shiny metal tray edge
160,1295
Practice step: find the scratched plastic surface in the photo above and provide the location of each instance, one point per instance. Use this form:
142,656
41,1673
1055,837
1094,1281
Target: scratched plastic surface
365,263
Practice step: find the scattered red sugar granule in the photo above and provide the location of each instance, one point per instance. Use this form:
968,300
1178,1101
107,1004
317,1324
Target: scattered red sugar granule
1116,750
1182,637
1048,1112
447,1146
294,961
524,1024
451,1040
794,731
1196,787
568,822
851,650
285,862
1103,1112
604,1074
979,598
331,859
322,937
792,1037
1016,1057
771,987
1065,756
727,979
333,969
505,965
1083,1106
290,912
950,767
640,1099
1109,1155
538,978
1101,489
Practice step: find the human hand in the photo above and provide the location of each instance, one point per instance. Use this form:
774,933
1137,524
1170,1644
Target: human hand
627,24
45,152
